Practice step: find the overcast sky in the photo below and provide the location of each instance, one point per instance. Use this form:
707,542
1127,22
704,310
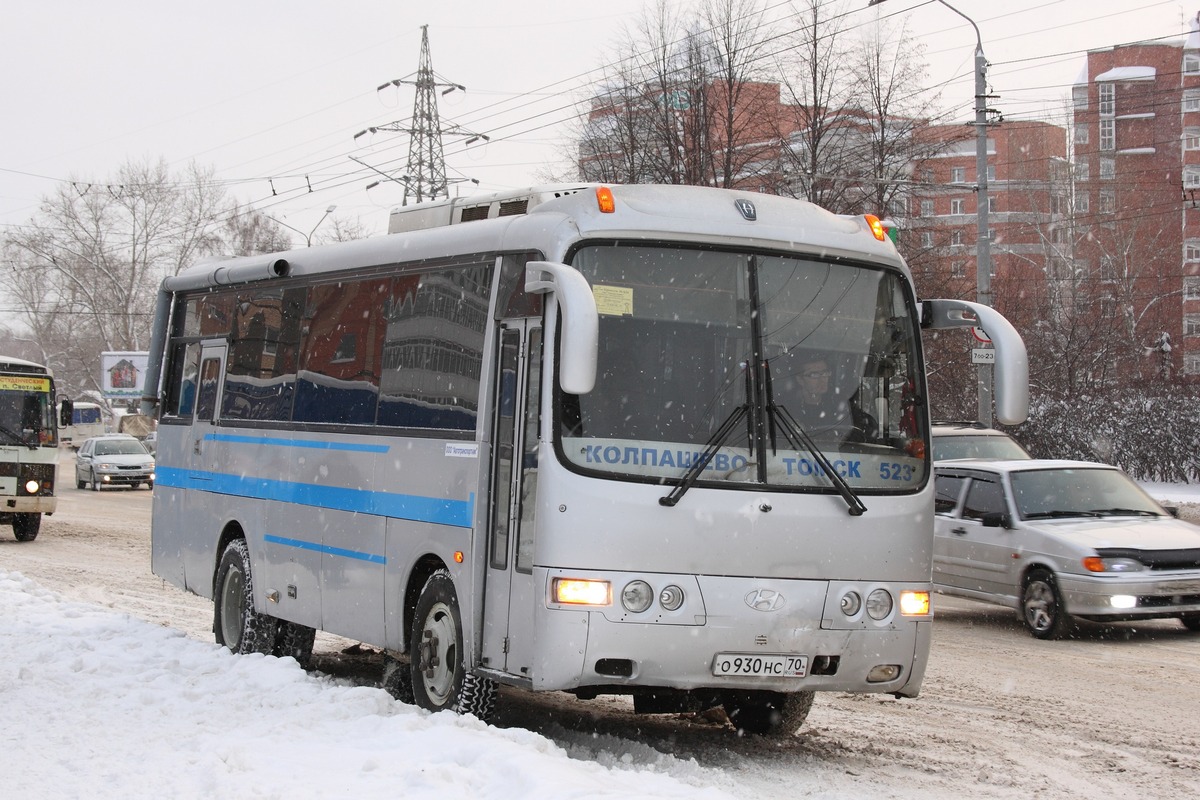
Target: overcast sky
271,92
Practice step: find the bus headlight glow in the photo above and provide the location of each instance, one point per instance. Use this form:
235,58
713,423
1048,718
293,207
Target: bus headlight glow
32,487
671,598
914,604
851,603
637,596
879,604
579,592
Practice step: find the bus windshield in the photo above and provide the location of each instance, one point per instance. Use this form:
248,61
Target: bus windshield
26,413
772,369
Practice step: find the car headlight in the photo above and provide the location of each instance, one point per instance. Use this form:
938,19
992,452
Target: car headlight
1100,564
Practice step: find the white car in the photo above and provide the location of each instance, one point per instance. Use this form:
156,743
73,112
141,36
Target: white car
114,459
1062,539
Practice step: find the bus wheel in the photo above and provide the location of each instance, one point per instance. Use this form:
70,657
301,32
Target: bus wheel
235,622
26,526
769,713
439,677
295,640
397,678
1191,621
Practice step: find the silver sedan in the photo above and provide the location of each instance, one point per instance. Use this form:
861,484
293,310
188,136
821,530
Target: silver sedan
1062,539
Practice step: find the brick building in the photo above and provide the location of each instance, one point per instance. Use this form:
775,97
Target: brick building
1136,222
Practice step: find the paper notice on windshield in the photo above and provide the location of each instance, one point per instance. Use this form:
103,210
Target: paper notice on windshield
613,301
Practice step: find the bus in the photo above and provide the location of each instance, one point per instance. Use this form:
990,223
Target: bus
81,420
556,445
28,446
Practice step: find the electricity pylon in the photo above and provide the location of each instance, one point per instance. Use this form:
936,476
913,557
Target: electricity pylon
424,175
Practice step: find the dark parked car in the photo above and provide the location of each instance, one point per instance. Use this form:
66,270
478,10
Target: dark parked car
1062,539
114,459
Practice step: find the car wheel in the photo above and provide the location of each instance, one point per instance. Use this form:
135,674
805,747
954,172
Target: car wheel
1042,607
768,713
235,622
26,526
95,483
1191,621
439,677
80,484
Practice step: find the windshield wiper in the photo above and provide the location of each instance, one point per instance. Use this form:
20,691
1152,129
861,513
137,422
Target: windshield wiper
17,439
714,443
1060,514
796,435
1124,512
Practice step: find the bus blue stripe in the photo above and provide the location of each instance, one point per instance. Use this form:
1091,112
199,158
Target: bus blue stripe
438,510
323,548
314,444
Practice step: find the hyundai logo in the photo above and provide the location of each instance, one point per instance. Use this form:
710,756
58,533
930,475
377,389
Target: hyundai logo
746,209
765,600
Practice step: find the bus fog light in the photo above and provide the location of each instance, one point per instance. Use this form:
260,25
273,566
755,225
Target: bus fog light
671,598
32,487
636,596
914,604
883,673
851,603
879,604
1123,601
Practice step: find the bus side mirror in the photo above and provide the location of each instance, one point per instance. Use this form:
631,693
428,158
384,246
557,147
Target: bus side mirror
580,322
1012,361
66,410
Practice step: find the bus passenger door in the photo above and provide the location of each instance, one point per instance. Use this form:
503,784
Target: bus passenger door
203,396
509,593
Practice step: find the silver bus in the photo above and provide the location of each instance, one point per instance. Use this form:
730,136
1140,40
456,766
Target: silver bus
560,440
28,446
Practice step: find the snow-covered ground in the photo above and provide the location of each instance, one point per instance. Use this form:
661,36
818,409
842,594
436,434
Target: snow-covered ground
111,687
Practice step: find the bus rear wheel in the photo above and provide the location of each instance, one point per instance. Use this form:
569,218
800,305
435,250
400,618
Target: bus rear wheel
235,622
440,680
26,526
776,714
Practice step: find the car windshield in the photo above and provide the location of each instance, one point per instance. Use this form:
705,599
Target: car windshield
998,445
758,368
127,447
1079,492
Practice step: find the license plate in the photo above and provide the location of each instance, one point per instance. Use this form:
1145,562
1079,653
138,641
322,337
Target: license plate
760,665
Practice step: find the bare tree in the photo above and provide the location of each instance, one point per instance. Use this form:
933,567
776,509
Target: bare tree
247,232
815,130
84,271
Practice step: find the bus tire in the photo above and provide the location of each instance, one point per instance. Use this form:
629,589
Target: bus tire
26,526
397,678
439,677
296,641
776,714
235,622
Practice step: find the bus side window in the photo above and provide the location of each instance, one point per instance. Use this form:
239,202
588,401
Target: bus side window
210,377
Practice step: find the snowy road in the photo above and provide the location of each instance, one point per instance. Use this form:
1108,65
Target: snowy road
1111,713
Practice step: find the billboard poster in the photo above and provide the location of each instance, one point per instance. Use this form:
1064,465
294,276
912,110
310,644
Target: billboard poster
123,374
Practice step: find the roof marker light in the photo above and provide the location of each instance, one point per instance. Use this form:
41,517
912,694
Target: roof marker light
876,226
604,199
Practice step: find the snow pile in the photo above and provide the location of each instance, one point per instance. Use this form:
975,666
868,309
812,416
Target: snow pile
99,704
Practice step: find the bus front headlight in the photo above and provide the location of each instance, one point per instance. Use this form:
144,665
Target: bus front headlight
637,596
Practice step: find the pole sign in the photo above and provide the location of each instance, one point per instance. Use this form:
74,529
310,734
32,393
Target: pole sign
123,374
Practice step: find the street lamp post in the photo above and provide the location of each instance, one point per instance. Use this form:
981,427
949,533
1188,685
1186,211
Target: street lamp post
307,236
983,255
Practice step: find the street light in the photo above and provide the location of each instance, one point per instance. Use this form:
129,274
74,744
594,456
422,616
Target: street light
307,236
983,255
